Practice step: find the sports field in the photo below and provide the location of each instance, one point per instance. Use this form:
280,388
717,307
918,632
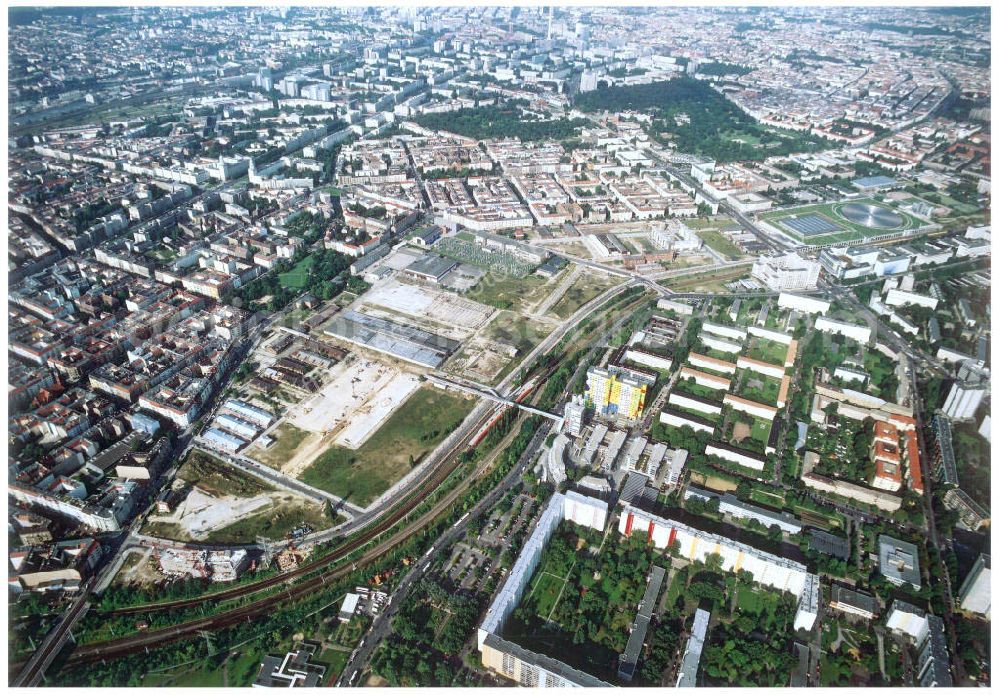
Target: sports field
827,223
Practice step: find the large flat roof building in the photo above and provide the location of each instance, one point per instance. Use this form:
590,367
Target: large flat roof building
404,342
898,561
293,670
974,596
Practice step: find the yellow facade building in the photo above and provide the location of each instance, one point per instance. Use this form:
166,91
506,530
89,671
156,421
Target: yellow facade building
618,391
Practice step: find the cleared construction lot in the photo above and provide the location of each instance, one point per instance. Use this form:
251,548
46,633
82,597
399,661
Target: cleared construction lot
413,431
224,505
428,307
361,394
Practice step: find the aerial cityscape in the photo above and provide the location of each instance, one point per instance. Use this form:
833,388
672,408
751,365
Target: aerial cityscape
533,346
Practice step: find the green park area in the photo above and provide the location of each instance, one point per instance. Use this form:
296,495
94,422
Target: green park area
712,125
770,351
758,388
749,643
498,122
413,431
429,632
298,276
850,657
761,430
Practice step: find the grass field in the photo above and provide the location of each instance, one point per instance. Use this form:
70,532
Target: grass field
830,211
335,661
768,498
508,292
275,524
754,601
583,289
545,591
296,278
689,386
718,242
216,477
407,436
287,438
769,351
716,222
713,482
761,430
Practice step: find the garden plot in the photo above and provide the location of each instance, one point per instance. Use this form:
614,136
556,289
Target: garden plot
441,309
467,251
359,397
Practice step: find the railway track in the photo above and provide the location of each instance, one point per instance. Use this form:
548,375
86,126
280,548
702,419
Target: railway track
298,589
265,605
413,500
155,638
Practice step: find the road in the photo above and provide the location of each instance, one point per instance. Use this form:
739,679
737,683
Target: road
450,381
34,670
266,605
381,627
261,606
504,387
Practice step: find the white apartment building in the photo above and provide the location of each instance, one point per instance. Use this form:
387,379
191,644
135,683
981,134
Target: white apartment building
787,272
862,334
801,303
962,401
